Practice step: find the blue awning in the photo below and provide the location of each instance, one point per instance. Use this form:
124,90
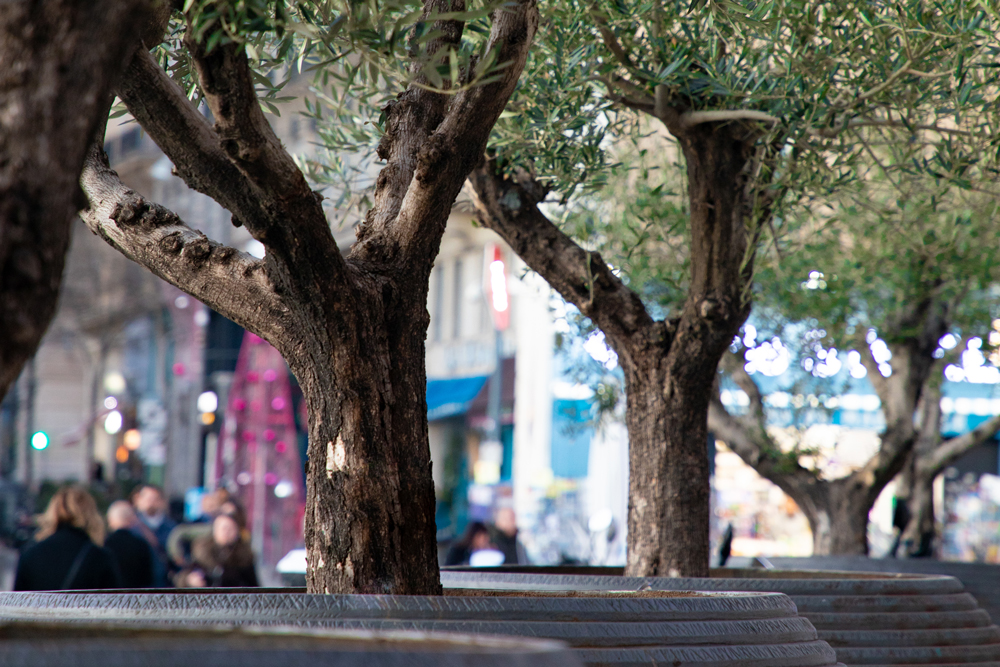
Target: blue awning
447,398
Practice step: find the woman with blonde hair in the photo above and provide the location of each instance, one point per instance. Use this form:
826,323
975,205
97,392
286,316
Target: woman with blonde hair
69,554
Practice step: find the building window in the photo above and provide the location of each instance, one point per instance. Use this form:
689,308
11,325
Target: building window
457,285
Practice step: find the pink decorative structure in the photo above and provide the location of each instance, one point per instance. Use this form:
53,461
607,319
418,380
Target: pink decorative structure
254,462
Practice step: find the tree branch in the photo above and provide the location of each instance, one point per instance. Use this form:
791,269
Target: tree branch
750,441
692,118
457,144
187,138
734,366
509,207
228,281
410,120
296,232
950,450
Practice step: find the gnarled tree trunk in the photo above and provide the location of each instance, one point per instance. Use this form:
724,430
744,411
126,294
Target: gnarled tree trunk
668,390
351,328
669,366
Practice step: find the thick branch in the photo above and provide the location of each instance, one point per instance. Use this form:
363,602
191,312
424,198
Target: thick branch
187,138
458,143
950,450
297,233
733,365
228,281
411,118
750,441
509,208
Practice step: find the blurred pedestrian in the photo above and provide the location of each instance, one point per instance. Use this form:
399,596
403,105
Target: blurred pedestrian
68,555
504,536
476,538
155,526
212,505
134,555
222,558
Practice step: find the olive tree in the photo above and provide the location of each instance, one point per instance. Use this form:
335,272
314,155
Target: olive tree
765,101
351,326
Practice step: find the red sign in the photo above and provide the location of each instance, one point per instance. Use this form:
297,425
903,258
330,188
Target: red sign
496,286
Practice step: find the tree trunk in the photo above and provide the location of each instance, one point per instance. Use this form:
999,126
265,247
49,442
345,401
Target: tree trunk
839,520
668,395
370,498
918,536
58,59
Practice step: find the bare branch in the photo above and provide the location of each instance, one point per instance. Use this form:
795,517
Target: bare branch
610,40
733,365
187,138
951,450
509,207
751,442
692,118
230,282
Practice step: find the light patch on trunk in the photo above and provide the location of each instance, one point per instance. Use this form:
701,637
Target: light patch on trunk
674,573
347,567
320,564
336,457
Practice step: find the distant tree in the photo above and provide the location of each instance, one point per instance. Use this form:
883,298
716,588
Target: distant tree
352,328
765,101
901,258
58,61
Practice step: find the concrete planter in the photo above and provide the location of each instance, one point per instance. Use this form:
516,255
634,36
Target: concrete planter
602,627
868,618
33,644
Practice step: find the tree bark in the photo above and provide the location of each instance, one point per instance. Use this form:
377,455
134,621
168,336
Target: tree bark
668,396
58,60
352,328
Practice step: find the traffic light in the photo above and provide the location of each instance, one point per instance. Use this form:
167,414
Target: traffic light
39,440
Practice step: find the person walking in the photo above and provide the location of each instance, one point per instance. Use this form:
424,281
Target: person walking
155,526
133,554
222,559
68,555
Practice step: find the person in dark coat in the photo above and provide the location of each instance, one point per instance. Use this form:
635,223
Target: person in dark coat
68,555
504,536
221,559
476,538
133,554
154,526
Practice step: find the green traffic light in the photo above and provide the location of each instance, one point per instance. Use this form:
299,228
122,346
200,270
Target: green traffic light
40,440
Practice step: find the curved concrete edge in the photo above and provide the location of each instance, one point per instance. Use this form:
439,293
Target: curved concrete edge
110,645
810,654
715,606
789,582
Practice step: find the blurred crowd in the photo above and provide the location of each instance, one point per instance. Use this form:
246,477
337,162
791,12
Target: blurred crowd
136,545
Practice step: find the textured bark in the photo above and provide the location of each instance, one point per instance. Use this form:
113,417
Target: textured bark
351,328
58,60
669,366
